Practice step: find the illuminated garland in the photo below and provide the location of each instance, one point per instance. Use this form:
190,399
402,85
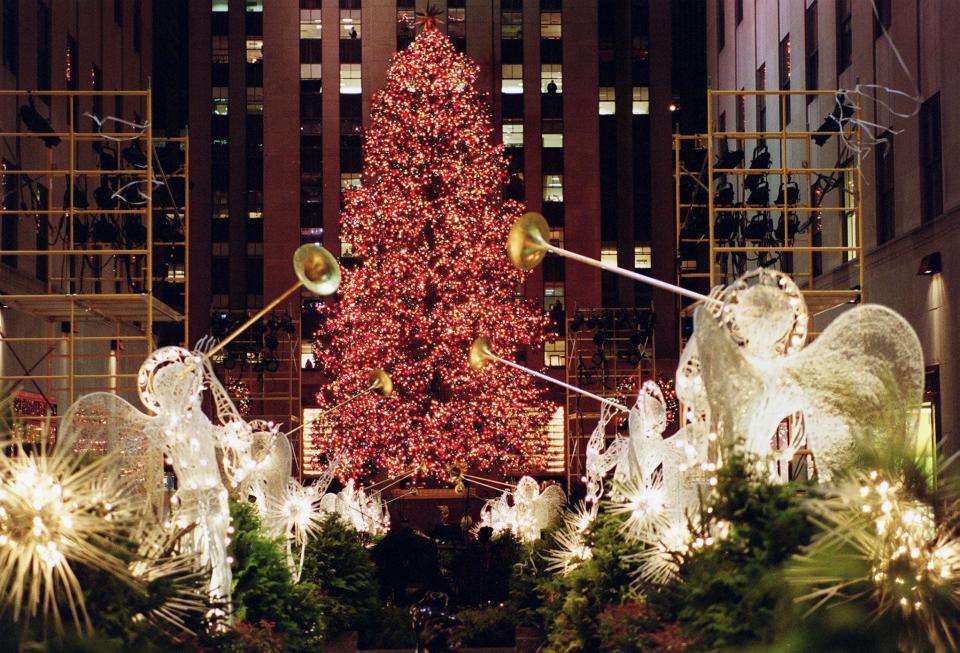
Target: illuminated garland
429,224
241,396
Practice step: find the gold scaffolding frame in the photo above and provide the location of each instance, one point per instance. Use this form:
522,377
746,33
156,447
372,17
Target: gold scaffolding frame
68,304
702,257
581,415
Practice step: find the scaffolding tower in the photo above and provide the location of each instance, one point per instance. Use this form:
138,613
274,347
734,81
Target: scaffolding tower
93,259
748,199
609,352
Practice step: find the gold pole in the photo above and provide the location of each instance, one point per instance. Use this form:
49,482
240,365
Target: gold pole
259,314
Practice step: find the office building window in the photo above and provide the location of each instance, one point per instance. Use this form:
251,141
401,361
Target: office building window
512,133
849,225
608,100
350,78
761,99
882,17
554,354
254,50
349,24
552,140
885,173
511,25
551,78
218,6
512,78
553,188
254,99
310,71
456,21
11,35
844,34
255,6
812,43
406,26
641,101
931,159
552,294
221,49
311,24
550,25
642,257
721,24
608,253
221,209
785,70
556,236
349,181
220,100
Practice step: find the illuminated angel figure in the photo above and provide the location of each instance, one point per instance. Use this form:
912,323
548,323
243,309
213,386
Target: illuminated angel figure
863,374
525,511
367,513
170,383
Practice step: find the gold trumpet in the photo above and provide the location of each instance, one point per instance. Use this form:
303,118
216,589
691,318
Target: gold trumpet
482,353
317,271
529,242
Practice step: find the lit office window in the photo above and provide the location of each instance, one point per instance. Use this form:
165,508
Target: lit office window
457,22
555,353
641,100
310,71
255,6
553,188
254,99
551,78
608,102
553,140
307,361
254,50
349,181
346,249
513,133
311,24
350,79
220,5
552,293
849,215
220,100
349,24
608,254
556,236
220,209
512,78
550,25
511,25
642,257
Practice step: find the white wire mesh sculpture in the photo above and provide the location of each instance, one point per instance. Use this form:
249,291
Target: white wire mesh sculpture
865,370
525,511
366,513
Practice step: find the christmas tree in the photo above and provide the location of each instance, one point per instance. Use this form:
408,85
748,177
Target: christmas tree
429,226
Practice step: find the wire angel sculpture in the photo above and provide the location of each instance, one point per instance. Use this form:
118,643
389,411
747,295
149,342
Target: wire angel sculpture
748,370
525,511
170,383
366,513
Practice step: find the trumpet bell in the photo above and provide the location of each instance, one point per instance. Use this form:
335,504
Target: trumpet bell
317,269
380,382
480,352
527,243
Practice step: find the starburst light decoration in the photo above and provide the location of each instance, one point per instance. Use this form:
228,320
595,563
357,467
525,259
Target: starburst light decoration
55,513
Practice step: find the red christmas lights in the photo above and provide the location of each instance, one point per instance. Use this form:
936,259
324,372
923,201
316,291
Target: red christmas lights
429,224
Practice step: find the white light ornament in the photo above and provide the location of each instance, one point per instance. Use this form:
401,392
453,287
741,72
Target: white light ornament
366,513
863,374
170,383
525,511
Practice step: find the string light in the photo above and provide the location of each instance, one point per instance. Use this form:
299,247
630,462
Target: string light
428,224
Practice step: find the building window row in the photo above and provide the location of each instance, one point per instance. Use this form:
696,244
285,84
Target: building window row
640,100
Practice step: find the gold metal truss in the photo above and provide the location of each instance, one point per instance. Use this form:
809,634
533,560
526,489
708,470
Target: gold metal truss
93,231
609,352
746,199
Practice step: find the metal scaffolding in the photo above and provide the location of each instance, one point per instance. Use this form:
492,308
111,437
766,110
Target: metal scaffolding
609,352
728,221
82,305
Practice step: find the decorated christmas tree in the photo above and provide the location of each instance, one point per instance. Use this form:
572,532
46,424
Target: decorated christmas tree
429,225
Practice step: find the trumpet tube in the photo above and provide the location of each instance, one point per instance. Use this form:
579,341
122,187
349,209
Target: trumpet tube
550,379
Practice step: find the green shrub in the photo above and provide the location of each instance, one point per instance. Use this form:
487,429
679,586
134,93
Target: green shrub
486,627
338,565
393,630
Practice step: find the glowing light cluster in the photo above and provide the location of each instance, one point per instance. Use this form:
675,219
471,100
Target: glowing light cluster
524,510
55,514
429,224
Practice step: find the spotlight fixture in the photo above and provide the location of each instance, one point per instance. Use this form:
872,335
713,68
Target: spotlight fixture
730,159
930,264
759,195
577,322
724,196
38,124
271,341
271,365
793,194
761,161
856,298
134,156
835,120
228,362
